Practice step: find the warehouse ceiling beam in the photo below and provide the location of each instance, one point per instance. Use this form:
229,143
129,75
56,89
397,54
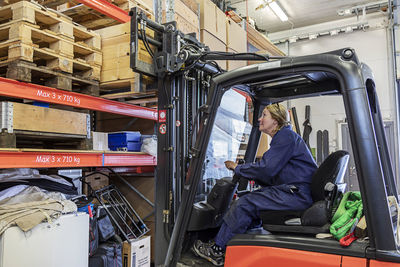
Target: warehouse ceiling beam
18,89
107,9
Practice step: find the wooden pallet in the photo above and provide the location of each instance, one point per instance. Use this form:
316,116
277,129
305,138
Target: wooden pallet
137,84
116,73
49,19
30,72
93,19
43,128
141,98
31,34
20,139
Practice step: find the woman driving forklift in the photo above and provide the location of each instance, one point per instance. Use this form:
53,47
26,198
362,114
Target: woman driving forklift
284,173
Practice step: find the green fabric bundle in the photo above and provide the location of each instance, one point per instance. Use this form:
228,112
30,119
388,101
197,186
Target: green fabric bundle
347,215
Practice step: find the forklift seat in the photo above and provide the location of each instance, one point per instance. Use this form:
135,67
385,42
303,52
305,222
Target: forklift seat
326,189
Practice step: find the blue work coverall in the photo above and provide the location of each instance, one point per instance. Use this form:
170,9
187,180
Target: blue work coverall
285,172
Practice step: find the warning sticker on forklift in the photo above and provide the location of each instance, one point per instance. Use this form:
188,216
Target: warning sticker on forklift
269,65
162,115
162,128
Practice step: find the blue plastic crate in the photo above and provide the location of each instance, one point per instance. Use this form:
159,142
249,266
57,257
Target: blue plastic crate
131,146
123,138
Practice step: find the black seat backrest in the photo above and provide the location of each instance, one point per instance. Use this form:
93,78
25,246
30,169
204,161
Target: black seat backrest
331,170
222,194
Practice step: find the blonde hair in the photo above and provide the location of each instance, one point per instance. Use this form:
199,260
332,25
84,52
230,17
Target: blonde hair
280,114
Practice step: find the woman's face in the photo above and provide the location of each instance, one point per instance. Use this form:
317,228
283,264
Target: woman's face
267,123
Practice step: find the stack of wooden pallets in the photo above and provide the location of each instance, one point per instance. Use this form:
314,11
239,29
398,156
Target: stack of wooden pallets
40,45
93,19
116,73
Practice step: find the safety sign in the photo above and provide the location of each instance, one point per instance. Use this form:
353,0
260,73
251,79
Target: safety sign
162,115
163,128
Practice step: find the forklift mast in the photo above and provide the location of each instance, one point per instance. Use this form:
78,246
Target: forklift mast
190,89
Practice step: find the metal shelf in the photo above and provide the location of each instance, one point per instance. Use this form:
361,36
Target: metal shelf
17,89
28,158
107,9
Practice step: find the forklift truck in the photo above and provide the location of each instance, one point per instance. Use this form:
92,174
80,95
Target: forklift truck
191,86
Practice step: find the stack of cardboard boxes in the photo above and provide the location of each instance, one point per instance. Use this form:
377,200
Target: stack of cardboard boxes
236,42
213,28
116,71
220,33
186,15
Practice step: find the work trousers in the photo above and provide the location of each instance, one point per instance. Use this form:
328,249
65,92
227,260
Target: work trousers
244,213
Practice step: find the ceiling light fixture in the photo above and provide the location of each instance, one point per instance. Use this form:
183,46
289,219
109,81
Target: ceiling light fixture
299,35
334,32
374,6
278,11
348,29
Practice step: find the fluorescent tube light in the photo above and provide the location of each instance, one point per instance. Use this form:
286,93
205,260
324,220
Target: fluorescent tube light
312,36
278,11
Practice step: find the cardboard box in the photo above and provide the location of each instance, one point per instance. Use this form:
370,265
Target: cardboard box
214,44
236,36
187,21
136,253
193,5
150,223
261,42
96,181
263,145
234,64
212,19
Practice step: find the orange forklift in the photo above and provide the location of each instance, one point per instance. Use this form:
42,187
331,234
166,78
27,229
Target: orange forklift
200,126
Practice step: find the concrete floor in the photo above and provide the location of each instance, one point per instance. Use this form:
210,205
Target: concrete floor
188,259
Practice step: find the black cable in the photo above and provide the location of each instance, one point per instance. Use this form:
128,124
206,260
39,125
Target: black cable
144,39
265,57
166,92
216,65
146,44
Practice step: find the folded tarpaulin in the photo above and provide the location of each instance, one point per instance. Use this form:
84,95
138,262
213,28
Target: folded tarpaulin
28,210
42,183
31,177
12,175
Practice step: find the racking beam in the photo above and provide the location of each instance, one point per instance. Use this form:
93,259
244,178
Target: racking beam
107,9
18,89
58,159
111,159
